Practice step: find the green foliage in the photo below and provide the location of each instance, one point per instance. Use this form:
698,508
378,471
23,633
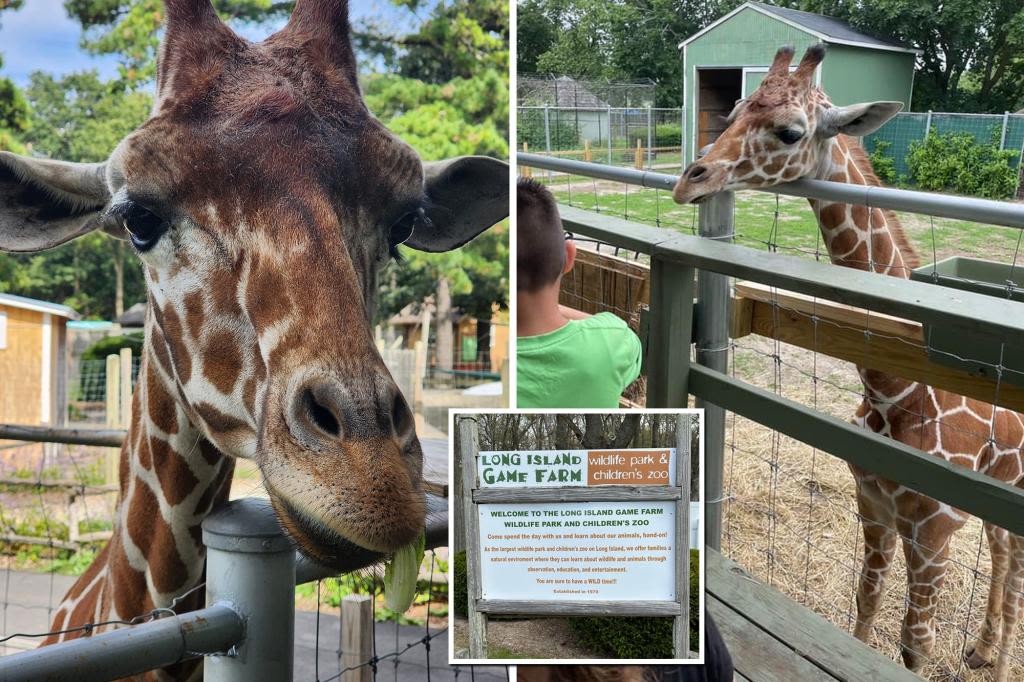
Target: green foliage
460,585
664,135
111,345
614,40
131,29
530,129
78,117
957,162
640,637
883,163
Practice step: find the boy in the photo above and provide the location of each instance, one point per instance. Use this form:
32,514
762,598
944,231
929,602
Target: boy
565,358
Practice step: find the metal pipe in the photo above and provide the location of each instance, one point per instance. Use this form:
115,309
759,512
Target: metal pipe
711,331
130,650
941,205
250,564
44,434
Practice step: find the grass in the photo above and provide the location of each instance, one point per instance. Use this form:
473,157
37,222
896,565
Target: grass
795,231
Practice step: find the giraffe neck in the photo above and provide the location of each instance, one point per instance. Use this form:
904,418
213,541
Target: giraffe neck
864,239
171,477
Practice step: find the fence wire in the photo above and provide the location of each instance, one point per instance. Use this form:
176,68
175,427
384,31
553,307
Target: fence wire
790,515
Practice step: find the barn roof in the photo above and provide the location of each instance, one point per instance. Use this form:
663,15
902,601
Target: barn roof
38,306
827,29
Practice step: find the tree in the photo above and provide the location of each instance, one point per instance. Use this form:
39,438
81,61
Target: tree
970,49
446,94
131,29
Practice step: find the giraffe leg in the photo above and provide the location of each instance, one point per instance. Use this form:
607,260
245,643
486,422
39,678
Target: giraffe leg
926,548
1013,597
879,547
980,652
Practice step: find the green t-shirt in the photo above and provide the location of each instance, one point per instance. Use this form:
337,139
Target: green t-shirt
586,363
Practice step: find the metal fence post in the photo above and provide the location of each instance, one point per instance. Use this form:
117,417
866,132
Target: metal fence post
547,129
711,329
1002,135
650,140
928,123
609,136
251,565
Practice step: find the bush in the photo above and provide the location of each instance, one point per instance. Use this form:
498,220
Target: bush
112,345
460,586
640,637
665,135
883,163
530,129
957,162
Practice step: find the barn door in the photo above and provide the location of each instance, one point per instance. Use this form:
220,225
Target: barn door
717,92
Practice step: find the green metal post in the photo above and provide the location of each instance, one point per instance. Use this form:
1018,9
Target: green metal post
668,361
712,340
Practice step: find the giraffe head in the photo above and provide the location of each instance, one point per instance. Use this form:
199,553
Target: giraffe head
263,199
782,132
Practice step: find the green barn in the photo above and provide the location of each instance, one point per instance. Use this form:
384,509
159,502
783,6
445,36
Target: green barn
727,60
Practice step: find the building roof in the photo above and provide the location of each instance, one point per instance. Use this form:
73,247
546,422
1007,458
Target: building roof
39,306
135,316
826,29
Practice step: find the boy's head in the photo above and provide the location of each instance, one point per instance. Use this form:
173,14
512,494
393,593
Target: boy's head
542,253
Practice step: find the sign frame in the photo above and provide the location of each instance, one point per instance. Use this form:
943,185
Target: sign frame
473,495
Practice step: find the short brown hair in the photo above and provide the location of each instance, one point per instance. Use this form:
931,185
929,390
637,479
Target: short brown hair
540,245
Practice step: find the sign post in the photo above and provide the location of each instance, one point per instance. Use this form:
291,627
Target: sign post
577,533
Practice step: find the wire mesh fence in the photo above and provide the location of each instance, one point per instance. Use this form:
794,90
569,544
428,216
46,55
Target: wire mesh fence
564,91
792,516
905,129
646,137
56,513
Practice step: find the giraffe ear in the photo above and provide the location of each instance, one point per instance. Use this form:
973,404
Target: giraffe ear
856,120
465,196
45,203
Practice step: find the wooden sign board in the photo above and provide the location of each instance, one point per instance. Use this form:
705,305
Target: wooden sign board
577,532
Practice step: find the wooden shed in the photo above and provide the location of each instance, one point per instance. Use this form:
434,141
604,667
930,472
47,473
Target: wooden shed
728,59
33,366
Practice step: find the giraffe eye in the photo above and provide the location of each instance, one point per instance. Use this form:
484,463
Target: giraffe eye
789,135
143,226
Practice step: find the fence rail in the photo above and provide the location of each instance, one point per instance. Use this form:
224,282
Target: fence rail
676,258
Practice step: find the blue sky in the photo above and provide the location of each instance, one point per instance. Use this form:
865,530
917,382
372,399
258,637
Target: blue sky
40,36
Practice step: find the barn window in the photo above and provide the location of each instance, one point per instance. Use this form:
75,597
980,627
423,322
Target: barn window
3,329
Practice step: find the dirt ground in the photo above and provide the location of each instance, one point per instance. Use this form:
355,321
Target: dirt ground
538,638
789,516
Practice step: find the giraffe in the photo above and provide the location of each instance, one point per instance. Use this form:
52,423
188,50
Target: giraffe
789,129
263,199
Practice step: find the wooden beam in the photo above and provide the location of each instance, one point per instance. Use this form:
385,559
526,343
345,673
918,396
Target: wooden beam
901,354
750,612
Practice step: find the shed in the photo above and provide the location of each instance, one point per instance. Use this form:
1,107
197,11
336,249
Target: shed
728,59
33,366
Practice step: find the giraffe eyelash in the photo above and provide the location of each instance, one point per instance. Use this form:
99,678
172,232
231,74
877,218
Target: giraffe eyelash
407,226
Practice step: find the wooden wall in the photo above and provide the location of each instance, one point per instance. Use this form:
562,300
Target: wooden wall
20,366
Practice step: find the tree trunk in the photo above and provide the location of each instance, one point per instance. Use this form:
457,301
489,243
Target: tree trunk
445,351
562,431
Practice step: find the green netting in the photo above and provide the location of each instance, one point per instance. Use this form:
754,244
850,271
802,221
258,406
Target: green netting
905,129
900,132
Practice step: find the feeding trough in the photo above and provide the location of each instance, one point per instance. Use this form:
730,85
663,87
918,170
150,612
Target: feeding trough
977,356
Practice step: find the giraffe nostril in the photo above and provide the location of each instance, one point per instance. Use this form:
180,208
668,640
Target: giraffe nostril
321,415
697,173
402,418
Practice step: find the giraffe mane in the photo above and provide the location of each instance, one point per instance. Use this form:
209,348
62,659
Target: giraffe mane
899,235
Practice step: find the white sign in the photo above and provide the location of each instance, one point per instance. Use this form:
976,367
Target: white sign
578,551
555,468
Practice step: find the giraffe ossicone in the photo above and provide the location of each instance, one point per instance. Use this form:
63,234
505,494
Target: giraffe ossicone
789,129
263,199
